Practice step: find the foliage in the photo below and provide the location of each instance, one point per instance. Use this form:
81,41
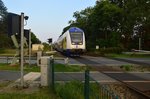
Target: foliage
115,50
115,23
42,93
6,42
127,67
75,90
47,47
34,39
70,90
3,10
67,68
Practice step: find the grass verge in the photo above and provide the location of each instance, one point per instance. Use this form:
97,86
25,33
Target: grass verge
132,55
68,68
42,93
75,90
34,68
27,68
70,90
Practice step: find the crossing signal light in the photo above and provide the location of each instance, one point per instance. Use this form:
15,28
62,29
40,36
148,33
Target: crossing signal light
50,40
26,34
14,24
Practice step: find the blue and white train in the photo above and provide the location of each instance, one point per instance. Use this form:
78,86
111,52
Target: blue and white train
72,42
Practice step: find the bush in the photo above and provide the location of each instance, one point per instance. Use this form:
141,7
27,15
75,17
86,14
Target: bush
2,50
116,50
127,67
71,90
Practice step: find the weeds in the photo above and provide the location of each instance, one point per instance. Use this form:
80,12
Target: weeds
127,67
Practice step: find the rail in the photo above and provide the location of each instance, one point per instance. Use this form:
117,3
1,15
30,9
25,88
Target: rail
141,93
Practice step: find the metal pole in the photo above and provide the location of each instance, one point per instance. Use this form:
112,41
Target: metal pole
29,47
22,48
139,43
86,85
52,69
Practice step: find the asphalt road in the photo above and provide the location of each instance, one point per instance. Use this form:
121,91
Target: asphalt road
92,61
9,75
139,61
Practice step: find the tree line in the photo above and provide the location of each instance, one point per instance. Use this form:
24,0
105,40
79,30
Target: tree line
5,41
115,23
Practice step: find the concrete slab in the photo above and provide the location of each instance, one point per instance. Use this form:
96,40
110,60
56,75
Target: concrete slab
30,77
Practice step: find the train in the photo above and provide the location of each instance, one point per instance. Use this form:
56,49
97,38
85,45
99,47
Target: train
72,42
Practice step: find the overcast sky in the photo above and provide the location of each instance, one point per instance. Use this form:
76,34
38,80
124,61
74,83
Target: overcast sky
47,18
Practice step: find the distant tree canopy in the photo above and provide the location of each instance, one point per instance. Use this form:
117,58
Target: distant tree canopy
34,39
3,11
5,41
115,23
3,14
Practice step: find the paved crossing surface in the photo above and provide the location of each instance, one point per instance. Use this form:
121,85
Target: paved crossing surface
89,60
67,76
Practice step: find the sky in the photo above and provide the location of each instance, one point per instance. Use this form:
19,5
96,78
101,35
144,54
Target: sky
47,18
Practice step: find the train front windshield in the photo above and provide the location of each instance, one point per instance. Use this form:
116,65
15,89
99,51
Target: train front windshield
76,38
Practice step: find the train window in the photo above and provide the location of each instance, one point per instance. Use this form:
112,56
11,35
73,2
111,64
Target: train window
76,37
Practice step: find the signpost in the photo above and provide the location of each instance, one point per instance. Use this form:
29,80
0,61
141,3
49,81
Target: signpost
22,48
16,31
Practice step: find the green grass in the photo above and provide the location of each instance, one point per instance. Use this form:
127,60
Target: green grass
27,68
42,93
34,68
75,90
70,90
128,55
67,68
127,67
8,67
7,52
4,84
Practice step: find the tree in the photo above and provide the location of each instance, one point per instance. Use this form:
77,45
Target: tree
104,21
3,10
113,23
34,39
3,15
135,14
5,41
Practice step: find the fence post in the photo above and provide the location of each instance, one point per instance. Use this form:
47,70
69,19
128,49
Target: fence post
86,85
52,73
45,71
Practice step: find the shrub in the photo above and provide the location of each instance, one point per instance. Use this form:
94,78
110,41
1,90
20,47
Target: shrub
2,50
71,90
127,67
116,50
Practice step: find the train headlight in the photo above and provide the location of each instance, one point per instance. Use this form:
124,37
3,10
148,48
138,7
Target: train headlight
73,43
80,43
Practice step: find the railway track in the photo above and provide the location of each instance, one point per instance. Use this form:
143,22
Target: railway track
137,84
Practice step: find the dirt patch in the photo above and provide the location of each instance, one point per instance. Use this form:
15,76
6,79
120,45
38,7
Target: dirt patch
15,87
125,92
